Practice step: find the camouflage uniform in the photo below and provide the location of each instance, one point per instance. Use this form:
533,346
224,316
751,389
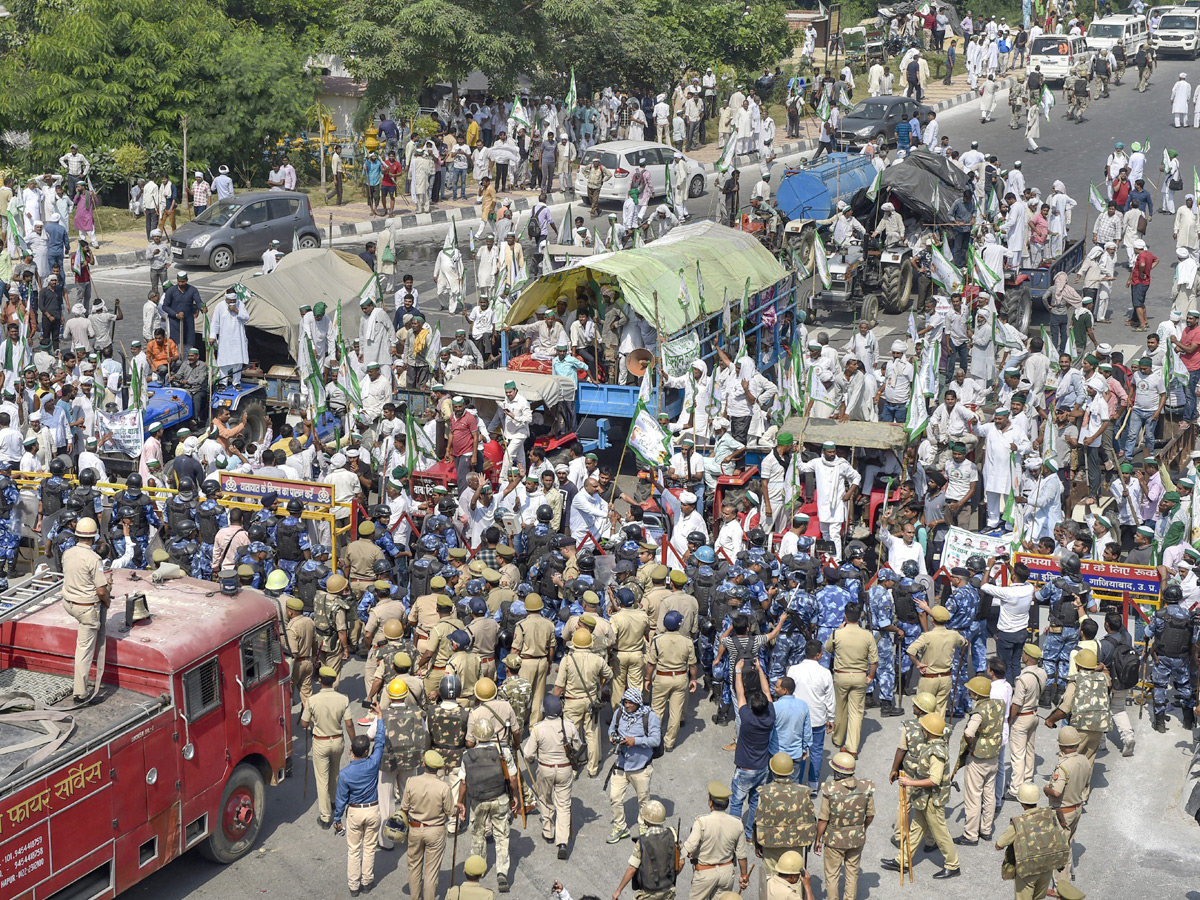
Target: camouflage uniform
1034,847
448,736
785,820
846,804
1078,95
519,693
407,741
331,615
986,723
1016,103
882,618
1086,700
929,804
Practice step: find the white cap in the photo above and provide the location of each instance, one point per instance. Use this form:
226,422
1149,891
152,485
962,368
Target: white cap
55,217
338,460
199,174
888,207
156,232
899,346
1139,244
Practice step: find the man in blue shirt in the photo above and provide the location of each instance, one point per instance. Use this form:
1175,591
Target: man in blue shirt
756,718
358,802
793,729
635,731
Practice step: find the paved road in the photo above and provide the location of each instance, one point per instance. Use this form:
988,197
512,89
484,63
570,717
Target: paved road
1134,838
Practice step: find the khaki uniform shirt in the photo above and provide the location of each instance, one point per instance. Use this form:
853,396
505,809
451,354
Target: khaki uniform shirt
533,636
439,641
671,652
301,637
582,673
683,603
469,890
716,837
643,575
383,612
500,713
853,648
545,741
1027,689
652,599
82,574
936,647
423,615
602,634
497,596
778,889
362,555
464,664
1071,777
327,712
484,634
571,569
427,800
630,627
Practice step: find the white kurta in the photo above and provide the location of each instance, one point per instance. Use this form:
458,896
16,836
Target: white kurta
998,448
228,332
833,478
448,272
1180,94
376,336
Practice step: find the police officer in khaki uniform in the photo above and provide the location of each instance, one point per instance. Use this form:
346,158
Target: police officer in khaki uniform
933,652
473,869
382,612
1067,786
630,626
928,793
1023,719
485,633
463,662
1025,887
533,641
302,645
646,566
847,809
489,780
502,591
782,884
379,658
327,715
908,752
1086,702
984,733
682,602
717,840
855,658
581,678
655,594
424,613
657,867
603,636
555,775
332,621
358,564
499,712
670,675
427,804
400,666
438,648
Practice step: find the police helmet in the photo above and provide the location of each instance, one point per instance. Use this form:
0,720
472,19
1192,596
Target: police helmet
446,507
586,562
706,555
187,488
295,506
625,567
133,483
257,532
87,477
544,513
910,569
856,550
758,537
381,567
210,486
707,627
976,564
1069,564
126,512
58,467
633,532
696,537
1172,593
564,613
450,688
186,528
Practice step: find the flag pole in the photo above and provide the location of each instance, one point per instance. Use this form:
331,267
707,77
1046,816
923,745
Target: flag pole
657,380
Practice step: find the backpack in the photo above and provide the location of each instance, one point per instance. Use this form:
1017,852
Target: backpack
532,228
1125,665
659,749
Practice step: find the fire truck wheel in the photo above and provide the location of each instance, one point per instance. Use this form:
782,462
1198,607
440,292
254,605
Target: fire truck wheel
239,817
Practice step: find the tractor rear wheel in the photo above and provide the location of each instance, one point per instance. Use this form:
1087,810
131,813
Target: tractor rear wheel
895,284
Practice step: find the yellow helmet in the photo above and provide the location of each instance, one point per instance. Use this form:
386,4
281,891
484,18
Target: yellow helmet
925,701
790,863
397,688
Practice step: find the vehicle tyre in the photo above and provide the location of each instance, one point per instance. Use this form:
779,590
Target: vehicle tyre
1018,305
309,242
221,259
238,818
895,284
804,243
255,416
696,186
870,309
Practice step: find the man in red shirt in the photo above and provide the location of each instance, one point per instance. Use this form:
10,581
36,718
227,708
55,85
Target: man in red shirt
463,444
1120,190
392,170
1189,351
1139,280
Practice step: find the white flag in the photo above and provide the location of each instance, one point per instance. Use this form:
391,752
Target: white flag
918,413
1097,199
822,260
945,273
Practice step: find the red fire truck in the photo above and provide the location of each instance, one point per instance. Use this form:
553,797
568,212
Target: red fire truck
191,724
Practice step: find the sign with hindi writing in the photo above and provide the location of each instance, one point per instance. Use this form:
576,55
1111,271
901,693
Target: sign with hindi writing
1114,578
126,432
679,355
257,486
961,545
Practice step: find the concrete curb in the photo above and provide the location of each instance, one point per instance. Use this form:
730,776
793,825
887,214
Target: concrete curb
422,227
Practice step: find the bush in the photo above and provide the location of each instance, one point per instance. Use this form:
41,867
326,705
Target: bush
130,161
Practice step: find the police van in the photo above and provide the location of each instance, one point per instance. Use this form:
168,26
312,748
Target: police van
1178,32
1057,54
1131,31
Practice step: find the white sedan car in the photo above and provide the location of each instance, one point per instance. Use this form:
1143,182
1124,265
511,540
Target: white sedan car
620,158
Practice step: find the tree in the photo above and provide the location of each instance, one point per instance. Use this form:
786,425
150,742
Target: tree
257,92
109,71
401,47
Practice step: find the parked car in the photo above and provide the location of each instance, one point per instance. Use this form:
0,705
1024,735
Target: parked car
877,117
1178,32
1105,33
621,157
242,229
1057,54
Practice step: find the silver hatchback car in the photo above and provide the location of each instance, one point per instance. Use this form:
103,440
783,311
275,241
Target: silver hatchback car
242,229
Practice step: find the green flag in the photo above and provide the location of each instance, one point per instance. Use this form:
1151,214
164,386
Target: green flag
822,260
876,186
519,116
569,100
648,440
316,384
728,154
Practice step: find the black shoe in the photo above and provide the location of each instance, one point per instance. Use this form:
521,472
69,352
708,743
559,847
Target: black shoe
891,709
562,851
354,892
502,882
1189,716
964,842
985,835
1044,700
1160,723
895,842
324,824
946,873
890,865
872,703
366,888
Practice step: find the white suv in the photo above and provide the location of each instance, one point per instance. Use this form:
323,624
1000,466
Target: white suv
621,157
